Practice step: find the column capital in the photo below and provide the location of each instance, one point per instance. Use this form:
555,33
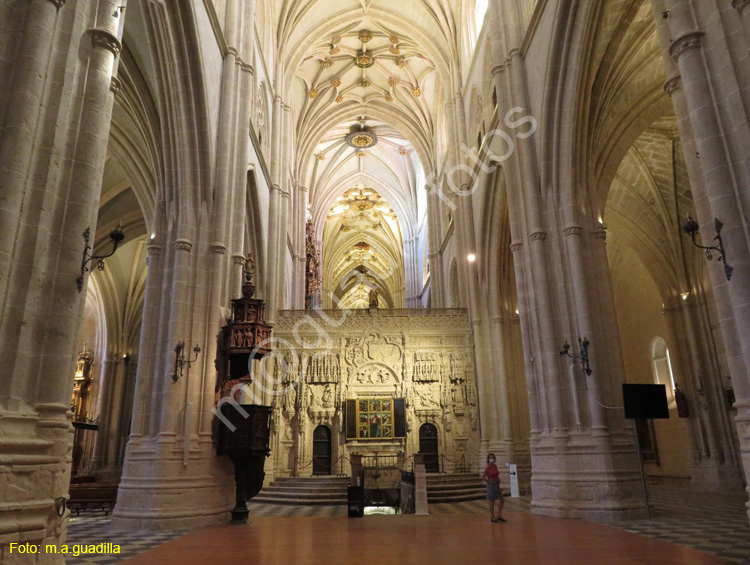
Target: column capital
239,259
538,236
572,230
600,233
739,5
218,248
515,247
115,85
684,43
58,3
674,83
105,39
183,245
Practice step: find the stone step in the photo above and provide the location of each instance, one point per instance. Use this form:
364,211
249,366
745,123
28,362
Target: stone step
443,498
305,496
455,488
453,476
313,480
273,487
305,491
296,501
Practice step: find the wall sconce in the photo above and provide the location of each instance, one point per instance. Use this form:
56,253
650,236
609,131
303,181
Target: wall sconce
115,236
702,397
692,228
583,355
180,360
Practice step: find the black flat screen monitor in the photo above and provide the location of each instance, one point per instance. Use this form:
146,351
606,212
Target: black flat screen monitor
645,401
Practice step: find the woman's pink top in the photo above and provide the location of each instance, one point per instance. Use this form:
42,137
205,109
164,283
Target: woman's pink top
491,473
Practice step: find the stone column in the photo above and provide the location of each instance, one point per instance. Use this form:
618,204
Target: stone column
583,462
274,210
52,165
17,144
722,194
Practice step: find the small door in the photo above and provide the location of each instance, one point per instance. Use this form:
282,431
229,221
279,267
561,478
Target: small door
428,446
322,451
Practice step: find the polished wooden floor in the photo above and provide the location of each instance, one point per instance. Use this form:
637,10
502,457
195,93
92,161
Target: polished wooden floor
419,540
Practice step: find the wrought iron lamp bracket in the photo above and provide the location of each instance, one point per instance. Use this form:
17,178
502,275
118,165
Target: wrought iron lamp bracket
692,229
181,361
115,236
583,354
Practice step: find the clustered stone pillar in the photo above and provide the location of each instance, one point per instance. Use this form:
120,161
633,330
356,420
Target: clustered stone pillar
693,39
170,450
51,165
583,455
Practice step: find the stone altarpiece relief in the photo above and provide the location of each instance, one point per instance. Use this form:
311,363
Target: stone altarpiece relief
427,361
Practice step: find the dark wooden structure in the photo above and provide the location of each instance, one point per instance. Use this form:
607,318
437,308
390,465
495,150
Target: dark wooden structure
243,430
92,496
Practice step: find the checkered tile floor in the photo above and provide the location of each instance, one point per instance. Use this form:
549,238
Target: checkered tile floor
712,522
94,529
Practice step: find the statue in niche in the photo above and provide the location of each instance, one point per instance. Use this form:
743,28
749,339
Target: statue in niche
374,300
458,395
327,397
471,395
248,287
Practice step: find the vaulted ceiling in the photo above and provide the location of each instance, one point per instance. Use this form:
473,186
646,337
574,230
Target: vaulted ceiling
379,65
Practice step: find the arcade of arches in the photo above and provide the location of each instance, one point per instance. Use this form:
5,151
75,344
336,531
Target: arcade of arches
435,196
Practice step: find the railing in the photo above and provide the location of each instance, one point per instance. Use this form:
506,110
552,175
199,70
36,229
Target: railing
297,466
459,465
377,461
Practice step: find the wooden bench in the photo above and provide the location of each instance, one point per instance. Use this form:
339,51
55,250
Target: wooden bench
92,496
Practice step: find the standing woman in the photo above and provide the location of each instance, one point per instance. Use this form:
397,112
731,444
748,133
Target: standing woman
491,477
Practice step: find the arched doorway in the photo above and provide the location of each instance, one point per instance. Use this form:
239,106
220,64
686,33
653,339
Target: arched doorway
322,451
428,446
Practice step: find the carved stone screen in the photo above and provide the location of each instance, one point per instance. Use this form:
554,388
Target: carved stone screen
373,378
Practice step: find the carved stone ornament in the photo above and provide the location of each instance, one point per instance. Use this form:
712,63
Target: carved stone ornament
183,245
685,43
573,230
115,85
673,84
103,38
218,249
364,60
538,236
599,234
58,3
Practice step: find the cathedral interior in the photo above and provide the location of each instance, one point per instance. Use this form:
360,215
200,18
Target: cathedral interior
381,239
